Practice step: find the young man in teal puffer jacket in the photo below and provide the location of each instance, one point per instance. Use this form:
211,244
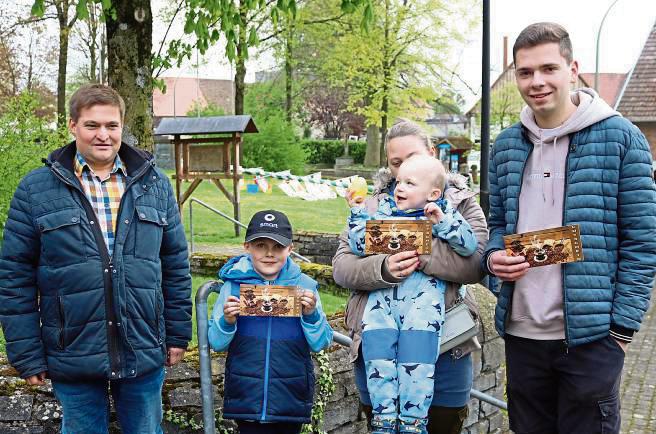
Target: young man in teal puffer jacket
571,160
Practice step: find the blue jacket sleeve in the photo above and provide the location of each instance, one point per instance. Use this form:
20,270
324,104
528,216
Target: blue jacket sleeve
357,225
637,244
455,230
19,311
318,332
176,277
497,216
220,333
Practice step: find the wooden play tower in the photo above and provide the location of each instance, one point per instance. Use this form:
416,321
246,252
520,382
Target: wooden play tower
207,148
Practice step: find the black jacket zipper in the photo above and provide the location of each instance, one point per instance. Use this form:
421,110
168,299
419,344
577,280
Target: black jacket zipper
107,267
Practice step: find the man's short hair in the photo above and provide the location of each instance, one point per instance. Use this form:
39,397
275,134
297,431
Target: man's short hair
94,94
544,33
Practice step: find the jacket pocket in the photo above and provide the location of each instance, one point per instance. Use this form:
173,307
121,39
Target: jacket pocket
160,334
609,414
151,224
61,237
61,340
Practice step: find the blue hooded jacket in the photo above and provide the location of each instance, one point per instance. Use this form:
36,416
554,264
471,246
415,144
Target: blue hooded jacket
269,375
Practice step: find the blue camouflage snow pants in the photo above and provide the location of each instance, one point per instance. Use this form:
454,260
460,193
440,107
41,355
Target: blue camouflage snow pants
401,329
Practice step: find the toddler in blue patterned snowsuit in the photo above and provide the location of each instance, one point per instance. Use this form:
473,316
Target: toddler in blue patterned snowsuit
402,324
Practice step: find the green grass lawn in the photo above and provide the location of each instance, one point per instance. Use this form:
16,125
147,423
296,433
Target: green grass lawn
320,215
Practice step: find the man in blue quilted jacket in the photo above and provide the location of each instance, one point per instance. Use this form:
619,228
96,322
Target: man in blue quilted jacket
95,290
571,160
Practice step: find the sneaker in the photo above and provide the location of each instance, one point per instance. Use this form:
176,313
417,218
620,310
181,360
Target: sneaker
381,425
417,427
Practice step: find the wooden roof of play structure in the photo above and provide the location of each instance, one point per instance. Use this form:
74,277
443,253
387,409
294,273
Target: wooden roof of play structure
206,125
457,143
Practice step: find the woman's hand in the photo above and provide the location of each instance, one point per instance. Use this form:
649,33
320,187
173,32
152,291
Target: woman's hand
402,264
231,309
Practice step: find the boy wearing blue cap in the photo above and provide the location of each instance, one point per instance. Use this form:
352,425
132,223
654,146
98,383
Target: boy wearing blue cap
269,374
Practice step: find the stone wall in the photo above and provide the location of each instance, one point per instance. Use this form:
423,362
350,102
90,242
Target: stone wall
25,409
316,246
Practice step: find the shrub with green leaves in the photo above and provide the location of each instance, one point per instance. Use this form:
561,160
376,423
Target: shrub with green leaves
25,139
326,151
275,147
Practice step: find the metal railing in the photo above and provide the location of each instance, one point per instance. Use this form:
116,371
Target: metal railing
207,394
225,216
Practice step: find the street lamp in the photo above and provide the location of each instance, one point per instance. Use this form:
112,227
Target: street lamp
596,80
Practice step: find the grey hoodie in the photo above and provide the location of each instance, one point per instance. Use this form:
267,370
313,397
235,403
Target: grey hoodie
537,304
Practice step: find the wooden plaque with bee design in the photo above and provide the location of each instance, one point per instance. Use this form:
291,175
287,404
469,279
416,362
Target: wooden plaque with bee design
270,300
548,246
398,235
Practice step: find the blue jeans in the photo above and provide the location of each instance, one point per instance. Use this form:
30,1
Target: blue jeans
138,403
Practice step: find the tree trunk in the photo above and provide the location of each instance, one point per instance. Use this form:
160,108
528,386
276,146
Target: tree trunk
63,60
372,156
92,26
288,67
102,77
383,131
240,67
386,87
129,52
30,65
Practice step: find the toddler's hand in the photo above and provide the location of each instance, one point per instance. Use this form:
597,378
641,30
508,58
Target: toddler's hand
309,302
354,199
231,309
433,212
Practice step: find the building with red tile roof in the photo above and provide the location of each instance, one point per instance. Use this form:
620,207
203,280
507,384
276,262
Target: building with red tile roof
610,85
637,100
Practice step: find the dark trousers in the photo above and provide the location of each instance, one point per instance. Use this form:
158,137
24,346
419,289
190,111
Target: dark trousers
441,420
553,389
268,428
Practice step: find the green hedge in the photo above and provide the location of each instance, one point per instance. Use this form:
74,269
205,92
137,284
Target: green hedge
326,151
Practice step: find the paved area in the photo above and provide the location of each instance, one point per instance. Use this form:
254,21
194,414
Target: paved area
639,379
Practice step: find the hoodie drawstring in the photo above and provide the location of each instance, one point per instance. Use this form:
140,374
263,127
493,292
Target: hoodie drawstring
553,181
551,174
544,197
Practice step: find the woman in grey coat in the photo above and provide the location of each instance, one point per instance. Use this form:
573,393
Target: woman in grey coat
363,274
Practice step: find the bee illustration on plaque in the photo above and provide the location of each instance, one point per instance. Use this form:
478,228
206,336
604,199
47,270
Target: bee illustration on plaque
547,247
270,300
398,235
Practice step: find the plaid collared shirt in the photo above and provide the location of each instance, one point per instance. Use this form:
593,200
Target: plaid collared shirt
104,195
